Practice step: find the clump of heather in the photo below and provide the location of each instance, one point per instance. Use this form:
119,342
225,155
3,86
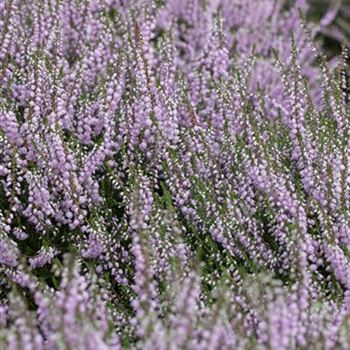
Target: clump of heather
173,175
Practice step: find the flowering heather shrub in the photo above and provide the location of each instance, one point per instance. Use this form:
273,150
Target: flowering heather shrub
338,14
174,175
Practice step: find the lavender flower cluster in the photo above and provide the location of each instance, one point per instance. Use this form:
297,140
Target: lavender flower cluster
173,175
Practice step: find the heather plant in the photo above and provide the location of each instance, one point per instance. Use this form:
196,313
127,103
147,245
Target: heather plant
173,175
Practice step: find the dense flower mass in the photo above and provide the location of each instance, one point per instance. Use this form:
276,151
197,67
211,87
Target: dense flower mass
174,174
